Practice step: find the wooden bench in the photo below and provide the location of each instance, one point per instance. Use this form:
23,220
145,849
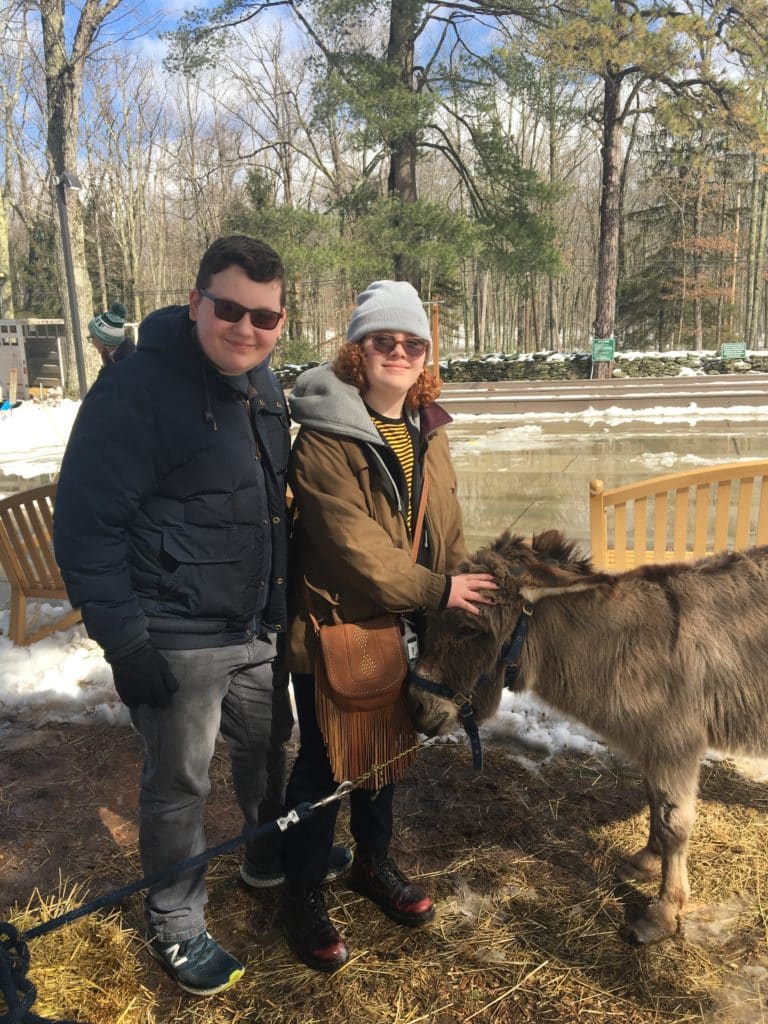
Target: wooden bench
680,516
26,554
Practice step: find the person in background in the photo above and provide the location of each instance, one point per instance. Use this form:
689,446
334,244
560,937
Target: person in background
170,531
106,332
370,436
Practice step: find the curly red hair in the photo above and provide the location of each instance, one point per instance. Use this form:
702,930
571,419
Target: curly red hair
349,367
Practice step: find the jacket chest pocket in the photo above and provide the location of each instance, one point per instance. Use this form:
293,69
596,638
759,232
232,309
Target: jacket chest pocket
204,545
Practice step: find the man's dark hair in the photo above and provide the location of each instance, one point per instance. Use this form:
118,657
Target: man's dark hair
256,258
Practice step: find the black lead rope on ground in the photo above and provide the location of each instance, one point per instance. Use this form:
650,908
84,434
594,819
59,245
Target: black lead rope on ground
19,992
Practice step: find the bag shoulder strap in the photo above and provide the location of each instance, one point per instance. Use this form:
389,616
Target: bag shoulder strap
417,530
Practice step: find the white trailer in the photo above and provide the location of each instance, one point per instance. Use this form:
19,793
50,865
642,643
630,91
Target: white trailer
34,349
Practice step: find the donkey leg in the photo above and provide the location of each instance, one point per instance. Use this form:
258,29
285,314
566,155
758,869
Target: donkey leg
674,802
646,863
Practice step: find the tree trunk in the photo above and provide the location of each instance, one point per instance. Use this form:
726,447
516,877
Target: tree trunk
10,90
99,254
63,85
698,284
401,182
762,231
477,341
734,267
6,290
750,297
535,315
610,219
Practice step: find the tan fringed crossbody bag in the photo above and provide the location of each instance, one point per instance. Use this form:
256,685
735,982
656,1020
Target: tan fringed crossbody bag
360,674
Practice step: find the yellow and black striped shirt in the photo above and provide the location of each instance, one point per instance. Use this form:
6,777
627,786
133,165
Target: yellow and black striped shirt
398,437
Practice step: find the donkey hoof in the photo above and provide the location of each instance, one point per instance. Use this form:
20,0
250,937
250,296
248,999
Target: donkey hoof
655,924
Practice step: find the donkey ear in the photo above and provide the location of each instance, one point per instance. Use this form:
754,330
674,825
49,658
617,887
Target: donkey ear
534,593
551,545
553,548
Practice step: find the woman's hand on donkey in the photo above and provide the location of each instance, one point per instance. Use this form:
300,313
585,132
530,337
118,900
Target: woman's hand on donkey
468,590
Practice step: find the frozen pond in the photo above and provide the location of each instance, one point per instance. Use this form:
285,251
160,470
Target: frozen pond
527,472
534,477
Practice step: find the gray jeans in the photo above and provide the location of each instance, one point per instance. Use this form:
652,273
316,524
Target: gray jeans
241,691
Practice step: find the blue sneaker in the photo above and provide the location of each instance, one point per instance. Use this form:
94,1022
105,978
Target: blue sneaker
268,873
198,965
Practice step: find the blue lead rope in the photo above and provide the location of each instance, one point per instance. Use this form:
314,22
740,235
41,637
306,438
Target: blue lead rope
20,993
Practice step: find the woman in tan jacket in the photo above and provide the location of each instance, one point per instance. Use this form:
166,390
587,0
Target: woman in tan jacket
370,435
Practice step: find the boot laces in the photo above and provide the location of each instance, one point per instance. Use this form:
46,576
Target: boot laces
313,919
389,873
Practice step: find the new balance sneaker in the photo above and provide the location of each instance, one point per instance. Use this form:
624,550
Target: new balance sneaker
309,930
380,880
198,965
269,873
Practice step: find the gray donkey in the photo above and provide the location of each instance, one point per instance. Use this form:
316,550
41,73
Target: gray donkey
663,662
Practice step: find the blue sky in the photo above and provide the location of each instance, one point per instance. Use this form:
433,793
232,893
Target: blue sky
136,24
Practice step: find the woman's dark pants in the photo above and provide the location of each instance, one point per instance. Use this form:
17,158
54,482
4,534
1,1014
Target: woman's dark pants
306,846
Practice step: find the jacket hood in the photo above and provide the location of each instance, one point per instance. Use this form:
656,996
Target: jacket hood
321,401
167,334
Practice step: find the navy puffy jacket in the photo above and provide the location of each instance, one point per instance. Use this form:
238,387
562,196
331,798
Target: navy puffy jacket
170,518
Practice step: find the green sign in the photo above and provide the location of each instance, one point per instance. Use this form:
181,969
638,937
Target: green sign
733,350
603,349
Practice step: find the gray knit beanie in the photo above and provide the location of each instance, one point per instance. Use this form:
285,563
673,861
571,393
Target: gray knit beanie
389,306
109,327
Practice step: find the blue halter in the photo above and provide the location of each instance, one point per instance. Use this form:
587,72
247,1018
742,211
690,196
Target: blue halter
466,712
510,652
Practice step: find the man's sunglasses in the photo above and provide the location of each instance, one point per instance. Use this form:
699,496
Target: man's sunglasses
233,312
385,344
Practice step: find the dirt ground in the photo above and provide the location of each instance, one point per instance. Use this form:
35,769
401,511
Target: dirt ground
519,858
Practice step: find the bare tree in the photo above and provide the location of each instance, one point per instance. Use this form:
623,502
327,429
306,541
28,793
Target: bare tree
11,80
64,87
122,152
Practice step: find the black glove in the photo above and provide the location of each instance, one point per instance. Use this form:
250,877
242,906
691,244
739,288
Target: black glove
143,677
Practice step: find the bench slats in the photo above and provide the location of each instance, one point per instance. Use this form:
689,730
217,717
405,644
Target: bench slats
681,522
659,529
762,515
701,521
26,554
744,514
722,511
621,535
693,514
44,538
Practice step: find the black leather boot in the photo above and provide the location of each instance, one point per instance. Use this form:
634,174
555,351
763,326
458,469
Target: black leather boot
379,879
309,930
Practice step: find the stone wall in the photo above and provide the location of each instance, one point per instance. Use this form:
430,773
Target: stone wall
578,366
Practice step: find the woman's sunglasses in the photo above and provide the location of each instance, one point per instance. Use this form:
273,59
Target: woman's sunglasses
385,343
233,312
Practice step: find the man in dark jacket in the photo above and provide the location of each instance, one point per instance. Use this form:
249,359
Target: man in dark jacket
170,531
